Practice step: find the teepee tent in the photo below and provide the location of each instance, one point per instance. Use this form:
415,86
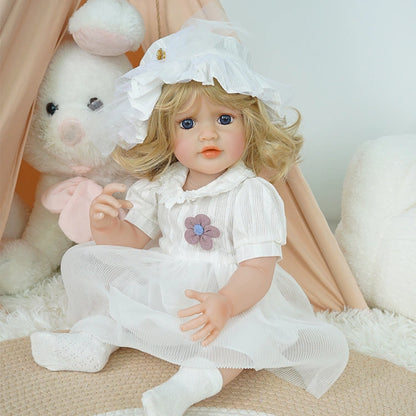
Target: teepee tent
29,34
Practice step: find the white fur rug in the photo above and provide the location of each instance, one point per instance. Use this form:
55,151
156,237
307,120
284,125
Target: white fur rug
380,334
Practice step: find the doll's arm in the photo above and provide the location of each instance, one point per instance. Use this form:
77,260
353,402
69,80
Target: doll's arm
249,283
106,225
247,286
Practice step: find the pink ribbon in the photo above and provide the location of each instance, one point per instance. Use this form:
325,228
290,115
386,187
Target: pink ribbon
72,199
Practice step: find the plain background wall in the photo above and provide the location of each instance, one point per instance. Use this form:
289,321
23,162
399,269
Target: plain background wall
352,68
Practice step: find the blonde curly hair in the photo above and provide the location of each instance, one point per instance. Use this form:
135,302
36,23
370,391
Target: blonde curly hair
271,145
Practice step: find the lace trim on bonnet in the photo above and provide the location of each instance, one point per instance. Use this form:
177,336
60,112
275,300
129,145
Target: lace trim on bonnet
202,50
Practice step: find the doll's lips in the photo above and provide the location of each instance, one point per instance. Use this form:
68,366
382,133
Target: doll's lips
210,152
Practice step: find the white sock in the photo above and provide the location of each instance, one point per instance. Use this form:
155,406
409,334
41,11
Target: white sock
70,351
187,387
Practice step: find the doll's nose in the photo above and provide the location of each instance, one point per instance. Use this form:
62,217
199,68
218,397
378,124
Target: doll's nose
208,132
71,132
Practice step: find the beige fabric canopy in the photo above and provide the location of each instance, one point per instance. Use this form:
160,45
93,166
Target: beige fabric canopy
29,34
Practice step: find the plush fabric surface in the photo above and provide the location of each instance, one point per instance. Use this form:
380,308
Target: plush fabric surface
368,386
377,232
370,383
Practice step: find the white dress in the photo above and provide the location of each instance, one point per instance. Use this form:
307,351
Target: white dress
129,297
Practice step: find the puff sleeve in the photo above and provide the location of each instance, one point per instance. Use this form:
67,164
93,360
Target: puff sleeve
259,225
143,196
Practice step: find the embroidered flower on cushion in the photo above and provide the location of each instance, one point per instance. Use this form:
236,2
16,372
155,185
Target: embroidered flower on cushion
199,230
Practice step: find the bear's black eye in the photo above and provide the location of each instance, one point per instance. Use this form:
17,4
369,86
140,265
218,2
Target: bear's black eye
51,108
94,104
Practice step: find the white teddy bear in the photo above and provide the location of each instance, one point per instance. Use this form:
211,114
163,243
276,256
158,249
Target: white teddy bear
377,232
79,81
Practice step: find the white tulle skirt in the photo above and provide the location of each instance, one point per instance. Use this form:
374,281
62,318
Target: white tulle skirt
130,298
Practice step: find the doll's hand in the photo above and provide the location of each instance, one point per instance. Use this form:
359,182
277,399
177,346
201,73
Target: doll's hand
105,209
214,310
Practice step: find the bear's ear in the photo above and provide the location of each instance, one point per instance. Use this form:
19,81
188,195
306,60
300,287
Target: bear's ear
107,27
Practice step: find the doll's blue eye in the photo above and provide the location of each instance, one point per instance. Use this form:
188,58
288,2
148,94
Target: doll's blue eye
225,119
187,124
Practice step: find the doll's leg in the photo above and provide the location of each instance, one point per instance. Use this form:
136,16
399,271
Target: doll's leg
70,351
187,387
229,374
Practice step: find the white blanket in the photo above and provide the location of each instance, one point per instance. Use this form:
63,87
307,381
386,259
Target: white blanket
385,335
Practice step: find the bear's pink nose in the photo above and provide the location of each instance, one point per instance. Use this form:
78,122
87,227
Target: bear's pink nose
71,132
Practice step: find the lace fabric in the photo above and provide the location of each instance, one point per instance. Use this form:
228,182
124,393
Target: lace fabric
201,51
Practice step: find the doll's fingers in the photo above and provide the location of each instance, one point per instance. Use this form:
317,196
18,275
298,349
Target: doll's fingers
194,294
194,323
112,188
213,335
98,215
108,200
125,204
104,210
203,332
193,310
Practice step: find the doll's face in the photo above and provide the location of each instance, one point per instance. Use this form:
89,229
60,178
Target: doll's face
209,138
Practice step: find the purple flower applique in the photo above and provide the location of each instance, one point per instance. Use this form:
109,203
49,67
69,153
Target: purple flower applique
199,230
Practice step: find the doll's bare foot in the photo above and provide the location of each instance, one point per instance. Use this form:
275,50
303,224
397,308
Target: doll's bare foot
186,387
70,352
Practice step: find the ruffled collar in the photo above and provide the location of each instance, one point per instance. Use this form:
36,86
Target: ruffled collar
171,183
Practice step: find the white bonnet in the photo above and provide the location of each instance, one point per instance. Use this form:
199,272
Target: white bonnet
201,51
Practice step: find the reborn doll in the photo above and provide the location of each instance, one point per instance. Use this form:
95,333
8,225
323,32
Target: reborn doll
210,297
